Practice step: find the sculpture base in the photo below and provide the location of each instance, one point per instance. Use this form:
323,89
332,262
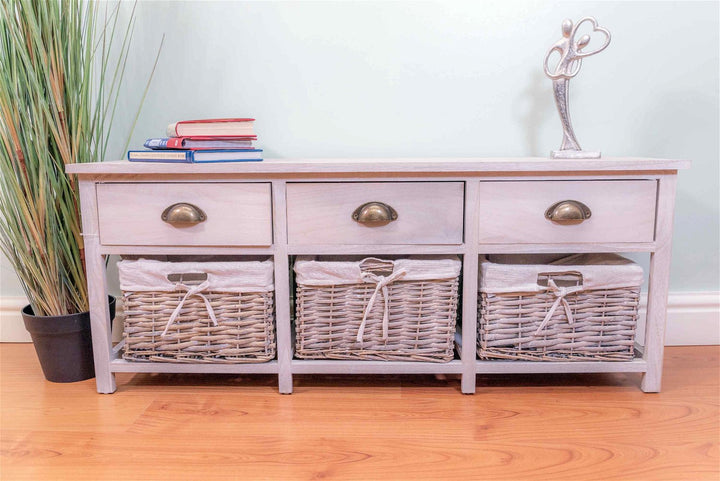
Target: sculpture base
574,154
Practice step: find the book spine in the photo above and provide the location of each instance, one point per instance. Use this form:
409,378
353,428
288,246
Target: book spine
159,156
176,143
162,144
217,145
156,144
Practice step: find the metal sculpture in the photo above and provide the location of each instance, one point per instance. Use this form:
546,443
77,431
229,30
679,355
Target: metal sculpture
571,55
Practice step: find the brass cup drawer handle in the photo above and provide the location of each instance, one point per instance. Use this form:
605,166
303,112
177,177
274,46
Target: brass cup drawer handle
568,212
183,214
374,214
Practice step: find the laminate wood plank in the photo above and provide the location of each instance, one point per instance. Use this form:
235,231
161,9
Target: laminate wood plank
334,165
333,457
190,426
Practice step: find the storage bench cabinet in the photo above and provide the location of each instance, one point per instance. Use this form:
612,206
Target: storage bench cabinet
467,207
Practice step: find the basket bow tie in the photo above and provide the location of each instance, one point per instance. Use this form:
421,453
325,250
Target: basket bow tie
560,293
191,291
381,283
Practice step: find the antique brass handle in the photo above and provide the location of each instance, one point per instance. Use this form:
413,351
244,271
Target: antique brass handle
568,212
183,214
374,214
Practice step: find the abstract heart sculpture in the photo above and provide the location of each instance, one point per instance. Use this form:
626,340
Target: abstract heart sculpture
571,55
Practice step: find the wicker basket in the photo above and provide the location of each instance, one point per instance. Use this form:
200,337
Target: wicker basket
579,308
402,310
198,312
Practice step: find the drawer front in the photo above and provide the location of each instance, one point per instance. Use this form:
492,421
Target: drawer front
427,213
237,214
514,212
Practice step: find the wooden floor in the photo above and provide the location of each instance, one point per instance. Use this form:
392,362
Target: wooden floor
197,427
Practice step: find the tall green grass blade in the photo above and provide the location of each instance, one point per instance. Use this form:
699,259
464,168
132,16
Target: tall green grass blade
60,76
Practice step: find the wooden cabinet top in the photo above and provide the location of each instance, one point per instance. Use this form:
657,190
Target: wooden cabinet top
437,165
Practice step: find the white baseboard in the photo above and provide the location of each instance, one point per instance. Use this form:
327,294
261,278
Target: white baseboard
12,328
693,319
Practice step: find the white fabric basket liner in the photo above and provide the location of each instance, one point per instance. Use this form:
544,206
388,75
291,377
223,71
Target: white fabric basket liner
312,272
598,271
152,275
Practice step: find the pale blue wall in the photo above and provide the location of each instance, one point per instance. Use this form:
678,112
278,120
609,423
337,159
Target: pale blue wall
389,79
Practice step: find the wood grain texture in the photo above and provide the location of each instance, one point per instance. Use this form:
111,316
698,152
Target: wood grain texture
406,165
428,212
221,185
535,427
658,285
238,214
282,289
121,365
514,212
568,248
97,289
364,174
469,315
187,250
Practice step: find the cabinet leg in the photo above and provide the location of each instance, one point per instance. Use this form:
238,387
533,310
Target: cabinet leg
471,260
100,321
656,316
658,285
282,324
468,384
285,384
97,290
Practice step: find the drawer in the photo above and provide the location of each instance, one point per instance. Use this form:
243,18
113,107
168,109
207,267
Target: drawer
515,212
426,212
236,214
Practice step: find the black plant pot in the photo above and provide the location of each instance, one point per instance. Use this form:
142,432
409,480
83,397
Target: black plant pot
63,344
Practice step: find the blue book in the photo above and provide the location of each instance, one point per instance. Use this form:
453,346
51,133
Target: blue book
177,156
196,156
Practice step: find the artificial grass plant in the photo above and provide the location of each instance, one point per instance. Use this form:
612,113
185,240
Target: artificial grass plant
60,76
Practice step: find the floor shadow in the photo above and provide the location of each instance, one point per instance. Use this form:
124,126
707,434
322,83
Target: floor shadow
378,381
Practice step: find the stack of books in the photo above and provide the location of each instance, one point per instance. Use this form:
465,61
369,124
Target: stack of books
207,140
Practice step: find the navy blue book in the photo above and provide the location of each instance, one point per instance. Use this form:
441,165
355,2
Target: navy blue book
196,156
180,156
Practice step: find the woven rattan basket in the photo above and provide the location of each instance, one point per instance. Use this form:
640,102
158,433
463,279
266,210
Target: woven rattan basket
198,312
579,308
402,310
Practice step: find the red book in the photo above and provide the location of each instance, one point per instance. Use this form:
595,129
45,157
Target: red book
206,142
212,127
